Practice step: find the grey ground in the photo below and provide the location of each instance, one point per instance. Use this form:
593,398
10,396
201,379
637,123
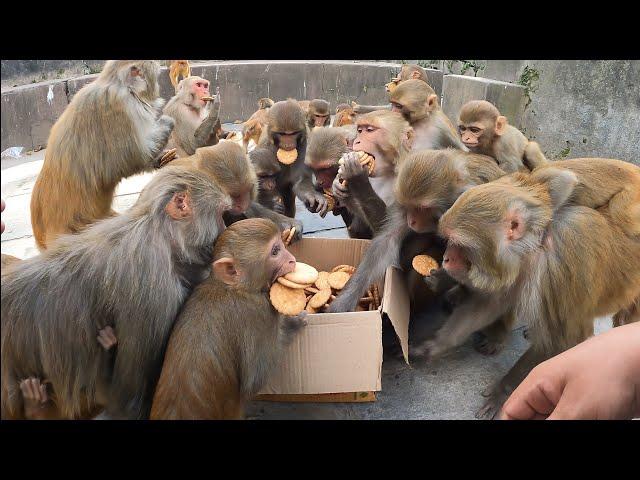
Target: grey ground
448,388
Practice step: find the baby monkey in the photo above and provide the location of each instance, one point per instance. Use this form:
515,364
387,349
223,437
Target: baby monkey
228,337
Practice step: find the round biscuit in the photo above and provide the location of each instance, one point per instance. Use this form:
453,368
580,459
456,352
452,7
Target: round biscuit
294,285
287,157
322,282
338,280
320,298
423,264
303,274
287,301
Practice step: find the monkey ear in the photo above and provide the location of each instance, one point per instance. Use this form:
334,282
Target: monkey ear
560,183
225,270
501,125
516,226
432,102
408,139
179,206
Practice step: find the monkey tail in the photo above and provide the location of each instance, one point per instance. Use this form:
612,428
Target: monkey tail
533,156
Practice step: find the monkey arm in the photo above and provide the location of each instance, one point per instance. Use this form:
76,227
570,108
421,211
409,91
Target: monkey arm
256,210
370,204
203,133
305,191
383,252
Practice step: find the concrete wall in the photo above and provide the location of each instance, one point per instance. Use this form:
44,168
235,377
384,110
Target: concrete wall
27,116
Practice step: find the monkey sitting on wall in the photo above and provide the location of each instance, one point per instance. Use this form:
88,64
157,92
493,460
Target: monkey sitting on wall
318,114
344,116
228,337
131,272
177,69
196,116
483,130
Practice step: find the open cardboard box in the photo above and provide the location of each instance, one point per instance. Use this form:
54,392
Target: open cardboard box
338,356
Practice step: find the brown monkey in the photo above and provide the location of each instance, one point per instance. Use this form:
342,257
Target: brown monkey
267,169
344,116
326,147
196,116
428,183
408,71
304,105
602,183
483,130
178,68
252,128
418,104
556,264
264,103
388,138
131,272
228,165
286,135
228,337
109,131
318,114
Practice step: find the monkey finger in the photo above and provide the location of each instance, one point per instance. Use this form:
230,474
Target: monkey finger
26,389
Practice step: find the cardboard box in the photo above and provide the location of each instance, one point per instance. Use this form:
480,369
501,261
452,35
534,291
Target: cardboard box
338,356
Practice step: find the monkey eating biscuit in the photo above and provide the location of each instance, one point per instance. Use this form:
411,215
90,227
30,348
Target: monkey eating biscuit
287,157
423,264
366,160
302,274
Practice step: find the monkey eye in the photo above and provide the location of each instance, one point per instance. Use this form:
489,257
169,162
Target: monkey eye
474,129
275,250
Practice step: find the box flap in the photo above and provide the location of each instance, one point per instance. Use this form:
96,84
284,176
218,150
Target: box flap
334,353
398,309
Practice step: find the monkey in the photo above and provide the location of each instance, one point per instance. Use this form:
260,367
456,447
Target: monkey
483,130
131,272
418,104
252,128
228,337
108,132
304,105
388,138
558,265
228,165
408,71
326,146
267,169
318,114
195,115
344,116
602,183
286,134
178,68
428,183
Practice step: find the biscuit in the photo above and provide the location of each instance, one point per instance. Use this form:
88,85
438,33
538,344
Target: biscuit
344,268
320,298
287,157
287,301
322,282
290,284
423,264
338,280
302,274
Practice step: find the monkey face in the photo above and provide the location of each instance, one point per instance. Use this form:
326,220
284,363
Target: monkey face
199,89
423,219
241,200
279,260
474,135
374,141
320,120
324,176
286,140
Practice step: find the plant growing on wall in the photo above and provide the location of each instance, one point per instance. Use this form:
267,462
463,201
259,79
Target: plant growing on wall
529,80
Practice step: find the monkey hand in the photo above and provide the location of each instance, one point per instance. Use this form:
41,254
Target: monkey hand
351,170
340,192
290,325
315,202
355,107
34,394
435,279
107,338
597,379
286,226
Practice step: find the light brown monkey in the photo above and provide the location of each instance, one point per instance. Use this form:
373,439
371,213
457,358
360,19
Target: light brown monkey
483,130
388,138
556,264
418,104
252,128
318,114
602,183
304,105
267,169
195,114
131,272
264,103
407,72
228,337
177,69
286,135
428,183
109,131
231,169
344,116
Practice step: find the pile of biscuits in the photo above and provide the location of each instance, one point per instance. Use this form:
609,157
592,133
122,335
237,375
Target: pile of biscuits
307,289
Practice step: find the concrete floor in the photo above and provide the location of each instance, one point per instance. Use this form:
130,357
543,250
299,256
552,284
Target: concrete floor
448,388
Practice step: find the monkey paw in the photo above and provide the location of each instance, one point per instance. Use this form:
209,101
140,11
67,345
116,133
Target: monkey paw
35,396
351,170
107,338
293,323
340,191
315,202
167,156
497,394
484,345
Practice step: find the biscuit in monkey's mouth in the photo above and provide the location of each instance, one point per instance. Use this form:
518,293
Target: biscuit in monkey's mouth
287,157
366,160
